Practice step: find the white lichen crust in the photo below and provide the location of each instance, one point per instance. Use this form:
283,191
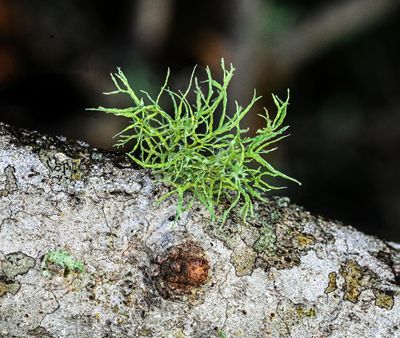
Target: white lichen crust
284,274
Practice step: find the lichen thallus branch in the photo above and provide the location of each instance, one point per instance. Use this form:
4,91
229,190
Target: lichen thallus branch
193,150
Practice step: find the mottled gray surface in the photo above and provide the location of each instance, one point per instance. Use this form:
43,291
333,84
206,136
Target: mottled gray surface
285,274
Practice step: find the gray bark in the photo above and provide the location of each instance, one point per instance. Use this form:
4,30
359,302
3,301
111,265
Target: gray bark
286,273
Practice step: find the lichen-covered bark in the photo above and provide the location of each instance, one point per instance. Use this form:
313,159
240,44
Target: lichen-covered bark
286,273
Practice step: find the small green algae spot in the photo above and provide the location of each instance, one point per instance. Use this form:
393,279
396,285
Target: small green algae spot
384,299
332,284
60,260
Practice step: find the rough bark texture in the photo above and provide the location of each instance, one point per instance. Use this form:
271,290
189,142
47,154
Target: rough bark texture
285,274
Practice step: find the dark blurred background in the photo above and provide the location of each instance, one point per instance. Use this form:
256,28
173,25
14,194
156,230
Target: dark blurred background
339,58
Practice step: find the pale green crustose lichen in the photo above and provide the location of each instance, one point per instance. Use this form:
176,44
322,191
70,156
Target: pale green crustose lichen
62,260
193,150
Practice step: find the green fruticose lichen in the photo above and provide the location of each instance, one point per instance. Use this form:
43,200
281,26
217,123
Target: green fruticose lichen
60,259
199,147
